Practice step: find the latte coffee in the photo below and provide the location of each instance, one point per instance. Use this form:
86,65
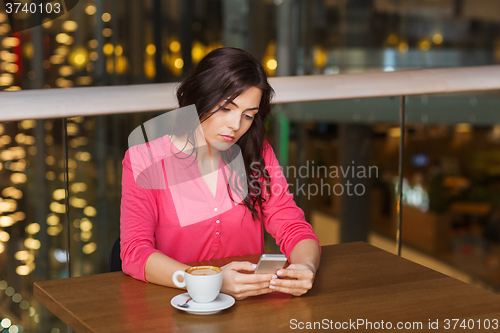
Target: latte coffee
203,271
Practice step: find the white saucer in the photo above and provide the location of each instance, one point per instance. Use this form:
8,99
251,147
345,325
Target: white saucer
222,302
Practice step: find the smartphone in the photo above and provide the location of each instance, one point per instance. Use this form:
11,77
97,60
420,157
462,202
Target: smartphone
270,263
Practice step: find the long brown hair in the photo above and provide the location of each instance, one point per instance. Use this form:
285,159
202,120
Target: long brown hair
228,72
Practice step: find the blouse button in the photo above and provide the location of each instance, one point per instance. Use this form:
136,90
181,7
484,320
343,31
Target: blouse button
217,221
217,233
216,209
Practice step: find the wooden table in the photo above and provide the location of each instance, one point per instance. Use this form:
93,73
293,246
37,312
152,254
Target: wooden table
356,281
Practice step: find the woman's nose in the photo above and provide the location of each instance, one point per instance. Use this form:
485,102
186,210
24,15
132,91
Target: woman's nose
234,121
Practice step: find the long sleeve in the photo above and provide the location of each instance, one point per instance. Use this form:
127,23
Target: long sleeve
282,218
138,219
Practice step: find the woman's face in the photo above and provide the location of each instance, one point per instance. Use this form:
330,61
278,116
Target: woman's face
226,126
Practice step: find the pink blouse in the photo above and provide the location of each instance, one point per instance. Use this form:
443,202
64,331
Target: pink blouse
153,219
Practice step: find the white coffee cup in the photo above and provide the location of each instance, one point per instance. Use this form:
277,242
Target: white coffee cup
203,283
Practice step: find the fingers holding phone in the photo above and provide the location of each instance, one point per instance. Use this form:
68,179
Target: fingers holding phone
241,285
296,279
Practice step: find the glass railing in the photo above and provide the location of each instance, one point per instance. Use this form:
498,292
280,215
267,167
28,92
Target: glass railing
340,155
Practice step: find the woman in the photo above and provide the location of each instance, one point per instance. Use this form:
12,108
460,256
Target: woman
232,96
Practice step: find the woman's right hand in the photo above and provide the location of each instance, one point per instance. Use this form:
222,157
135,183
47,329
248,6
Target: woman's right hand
240,285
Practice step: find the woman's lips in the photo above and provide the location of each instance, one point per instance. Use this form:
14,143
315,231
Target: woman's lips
227,138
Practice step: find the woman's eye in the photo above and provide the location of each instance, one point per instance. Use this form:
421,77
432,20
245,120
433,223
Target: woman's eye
249,117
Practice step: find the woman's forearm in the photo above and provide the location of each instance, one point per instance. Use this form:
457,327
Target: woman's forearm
306,252
160,268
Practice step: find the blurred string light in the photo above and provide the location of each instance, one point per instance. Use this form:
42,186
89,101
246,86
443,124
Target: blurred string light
79,58
77,202
32,228
62,51
5,323
463,128
47,23
31,243
272,64
54,224
71,176
5,140
56,59
57,207
66,70
59,194
78,142
118,50
49,141
89,248
22,138
171,57
72,129
85,224
437,39
108,49
495,133
63,83
269,59
320,58
78,120
18,178
8,42
28,50
70,26
107,32
424,45
90,211
64,38
106,17
60,255
198,51
27,124
94,56
90,10
4,236
151,49
178,63
6,79
403,47
78,187
84,80
23,304
392,39
149,61
53,219
83,156
12,192
121,65
175,46
7,205
8,57
93,44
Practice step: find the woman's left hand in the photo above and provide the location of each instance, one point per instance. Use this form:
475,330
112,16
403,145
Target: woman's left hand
296,279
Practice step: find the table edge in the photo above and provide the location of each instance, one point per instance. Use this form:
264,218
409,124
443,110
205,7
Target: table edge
66,315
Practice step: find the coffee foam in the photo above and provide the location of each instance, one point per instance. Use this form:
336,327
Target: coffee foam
203,270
